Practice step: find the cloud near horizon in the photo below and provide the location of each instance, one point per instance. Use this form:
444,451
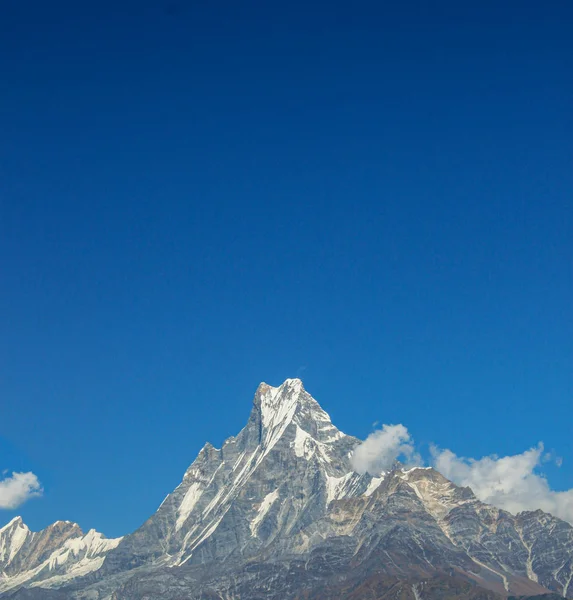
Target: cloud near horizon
512,483
508,482
17,488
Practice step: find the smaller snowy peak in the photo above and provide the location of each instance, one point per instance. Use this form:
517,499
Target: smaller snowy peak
65,526
430,472
93,543
206,455
438,494
208,451
15,522
12,537
56,554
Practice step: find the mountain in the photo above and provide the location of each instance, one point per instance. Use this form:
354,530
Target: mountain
51,557
278,512
235,501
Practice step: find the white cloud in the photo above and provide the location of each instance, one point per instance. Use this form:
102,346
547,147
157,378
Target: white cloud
513,483
381,448
509,482
18,488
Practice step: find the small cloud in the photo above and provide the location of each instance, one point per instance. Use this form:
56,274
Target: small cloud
18,488
300,371
381,448
559,461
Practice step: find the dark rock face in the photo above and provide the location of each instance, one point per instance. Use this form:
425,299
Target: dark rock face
278,513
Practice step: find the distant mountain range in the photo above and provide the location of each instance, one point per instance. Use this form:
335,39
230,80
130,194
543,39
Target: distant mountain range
278,513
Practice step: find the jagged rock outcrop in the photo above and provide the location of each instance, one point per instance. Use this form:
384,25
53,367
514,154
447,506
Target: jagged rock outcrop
278,512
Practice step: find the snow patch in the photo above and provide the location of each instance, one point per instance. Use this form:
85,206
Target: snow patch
303,443
373,485
337,487
188,503
531,574
264,508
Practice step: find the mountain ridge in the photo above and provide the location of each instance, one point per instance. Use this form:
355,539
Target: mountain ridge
54,555
278,507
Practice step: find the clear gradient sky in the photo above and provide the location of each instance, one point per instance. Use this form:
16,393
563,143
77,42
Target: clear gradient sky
198,196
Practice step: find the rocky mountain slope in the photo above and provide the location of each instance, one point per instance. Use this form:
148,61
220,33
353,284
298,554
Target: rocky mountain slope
278,512
51,557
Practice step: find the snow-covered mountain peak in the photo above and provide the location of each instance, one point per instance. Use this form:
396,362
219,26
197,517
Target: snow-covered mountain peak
439,495
70,526
12,537
16,522
54,555
269,398
278,406
244,480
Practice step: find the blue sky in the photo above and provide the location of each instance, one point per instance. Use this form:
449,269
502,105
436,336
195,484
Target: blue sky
196,197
